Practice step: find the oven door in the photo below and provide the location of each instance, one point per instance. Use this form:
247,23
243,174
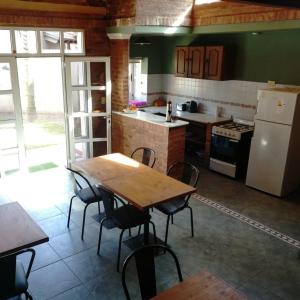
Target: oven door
224,148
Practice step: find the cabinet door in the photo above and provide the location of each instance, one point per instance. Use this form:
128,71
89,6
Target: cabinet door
213,62
196,62
181,63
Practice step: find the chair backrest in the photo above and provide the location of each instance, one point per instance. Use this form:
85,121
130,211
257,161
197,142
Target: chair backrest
145,266
144,155
80,181
108,201
185,172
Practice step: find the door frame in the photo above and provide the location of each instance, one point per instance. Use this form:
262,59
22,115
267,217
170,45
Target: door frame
69,115
15,91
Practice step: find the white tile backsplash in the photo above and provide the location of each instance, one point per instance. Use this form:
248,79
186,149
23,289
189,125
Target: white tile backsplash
237,98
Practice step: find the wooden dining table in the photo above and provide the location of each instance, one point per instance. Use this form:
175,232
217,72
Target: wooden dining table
17,231
139,184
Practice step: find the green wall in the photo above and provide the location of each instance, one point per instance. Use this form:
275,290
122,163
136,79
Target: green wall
271,55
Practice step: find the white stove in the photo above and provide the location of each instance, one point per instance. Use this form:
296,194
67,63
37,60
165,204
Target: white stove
233,129
230,147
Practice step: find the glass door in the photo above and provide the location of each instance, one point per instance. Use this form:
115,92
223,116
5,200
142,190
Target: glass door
88,106
12,152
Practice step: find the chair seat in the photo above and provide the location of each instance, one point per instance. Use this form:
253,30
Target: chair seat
128,216
21,283
171,207
87,196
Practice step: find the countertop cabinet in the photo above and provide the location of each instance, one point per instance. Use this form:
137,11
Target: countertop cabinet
214,62
182,59
189,62
201,62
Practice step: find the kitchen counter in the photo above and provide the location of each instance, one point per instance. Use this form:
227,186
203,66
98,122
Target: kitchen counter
154,119
142,129
195,117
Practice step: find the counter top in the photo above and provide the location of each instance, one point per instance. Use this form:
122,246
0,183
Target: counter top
154,119
196,117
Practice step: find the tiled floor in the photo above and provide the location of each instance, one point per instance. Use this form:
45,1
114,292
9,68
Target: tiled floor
261,266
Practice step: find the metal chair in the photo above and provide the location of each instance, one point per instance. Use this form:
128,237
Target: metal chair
188,174
145,155
145,266
88,195
15,282
124,217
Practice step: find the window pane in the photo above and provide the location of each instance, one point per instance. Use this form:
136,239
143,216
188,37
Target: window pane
81,127
98,101
80,101
25,41
7,110
99,127
5,42
98,73
73,42
10,161
50,41
81,151
78,73
99,148
8,135
5,81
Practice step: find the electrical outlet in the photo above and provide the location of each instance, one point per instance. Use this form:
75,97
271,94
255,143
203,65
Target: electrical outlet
271,82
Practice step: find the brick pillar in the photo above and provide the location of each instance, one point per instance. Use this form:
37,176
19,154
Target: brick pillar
119,70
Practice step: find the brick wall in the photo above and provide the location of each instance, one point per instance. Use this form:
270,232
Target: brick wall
164,13
234,13
168,143
122,12
119,73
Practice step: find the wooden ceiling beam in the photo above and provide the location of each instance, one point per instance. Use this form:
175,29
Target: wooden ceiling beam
273,3
52,7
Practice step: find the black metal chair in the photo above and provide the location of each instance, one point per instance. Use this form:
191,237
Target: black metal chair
145,266
145,155
189,174
16,283
84,191
124,217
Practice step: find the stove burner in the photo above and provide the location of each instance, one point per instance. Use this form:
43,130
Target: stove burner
236,127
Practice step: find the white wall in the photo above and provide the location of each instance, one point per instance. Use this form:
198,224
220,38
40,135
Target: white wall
236,98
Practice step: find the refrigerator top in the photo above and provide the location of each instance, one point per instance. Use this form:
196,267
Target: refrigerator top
278,105
292,90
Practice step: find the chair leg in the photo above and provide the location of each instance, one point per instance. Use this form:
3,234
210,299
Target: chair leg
28,296
154,232
83,221
70,208
172,219
139,231
192,220
119,250
167,229
99,209
129,231
100,234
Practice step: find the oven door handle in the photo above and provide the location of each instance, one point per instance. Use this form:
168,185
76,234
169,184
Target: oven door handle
234,141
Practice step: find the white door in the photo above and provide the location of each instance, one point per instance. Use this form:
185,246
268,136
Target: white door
268,156
12,151
88,87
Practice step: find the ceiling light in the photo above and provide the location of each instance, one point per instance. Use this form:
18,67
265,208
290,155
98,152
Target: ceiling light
142,41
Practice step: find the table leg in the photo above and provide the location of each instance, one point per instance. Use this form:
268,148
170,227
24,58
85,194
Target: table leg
146,230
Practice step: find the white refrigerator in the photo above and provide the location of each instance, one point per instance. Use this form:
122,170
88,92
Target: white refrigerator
274,161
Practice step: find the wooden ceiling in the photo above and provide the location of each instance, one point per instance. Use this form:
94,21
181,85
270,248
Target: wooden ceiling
85,7
274,3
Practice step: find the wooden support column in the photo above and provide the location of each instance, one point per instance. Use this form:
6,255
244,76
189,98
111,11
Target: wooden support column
119,70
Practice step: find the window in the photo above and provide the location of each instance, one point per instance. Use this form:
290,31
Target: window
41,41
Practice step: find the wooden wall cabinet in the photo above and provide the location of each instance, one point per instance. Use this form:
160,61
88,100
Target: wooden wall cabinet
201,62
